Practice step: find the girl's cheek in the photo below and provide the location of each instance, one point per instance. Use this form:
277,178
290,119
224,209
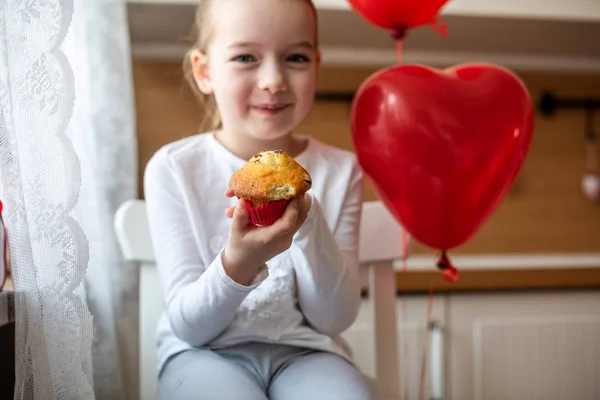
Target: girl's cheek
307,83
236,80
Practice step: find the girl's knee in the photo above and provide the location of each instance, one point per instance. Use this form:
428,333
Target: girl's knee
200,373
323,376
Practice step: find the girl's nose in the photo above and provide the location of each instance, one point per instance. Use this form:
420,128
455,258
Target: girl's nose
272,79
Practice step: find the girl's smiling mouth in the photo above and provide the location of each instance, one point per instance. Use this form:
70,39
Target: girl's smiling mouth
271,108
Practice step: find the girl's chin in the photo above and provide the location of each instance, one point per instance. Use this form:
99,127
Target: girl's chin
269,133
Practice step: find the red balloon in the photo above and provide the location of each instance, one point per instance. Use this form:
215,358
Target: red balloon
395,14
442,148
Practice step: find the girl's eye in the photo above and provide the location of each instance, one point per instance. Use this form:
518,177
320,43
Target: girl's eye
298,58
244,58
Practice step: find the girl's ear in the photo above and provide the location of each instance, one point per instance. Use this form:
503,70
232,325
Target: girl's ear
200,69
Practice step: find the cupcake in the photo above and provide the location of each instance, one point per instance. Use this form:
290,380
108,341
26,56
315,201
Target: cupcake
268,182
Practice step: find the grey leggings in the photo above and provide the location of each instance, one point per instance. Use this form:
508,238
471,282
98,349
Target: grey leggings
258,371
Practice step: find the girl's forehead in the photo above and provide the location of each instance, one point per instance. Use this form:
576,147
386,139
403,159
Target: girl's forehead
263,22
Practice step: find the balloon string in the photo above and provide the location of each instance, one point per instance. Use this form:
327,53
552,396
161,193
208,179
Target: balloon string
426,346
399,50
405,312
398,35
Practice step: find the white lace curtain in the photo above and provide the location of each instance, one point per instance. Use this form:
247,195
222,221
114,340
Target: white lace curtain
67,161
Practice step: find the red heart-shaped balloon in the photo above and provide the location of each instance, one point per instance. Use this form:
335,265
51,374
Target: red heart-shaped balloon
395,14
442,148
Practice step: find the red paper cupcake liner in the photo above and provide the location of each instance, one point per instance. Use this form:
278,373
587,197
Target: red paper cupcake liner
267,214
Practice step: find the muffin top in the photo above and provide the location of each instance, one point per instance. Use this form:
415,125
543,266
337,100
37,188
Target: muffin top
270,176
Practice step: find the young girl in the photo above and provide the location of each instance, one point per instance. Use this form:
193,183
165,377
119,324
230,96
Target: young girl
255,313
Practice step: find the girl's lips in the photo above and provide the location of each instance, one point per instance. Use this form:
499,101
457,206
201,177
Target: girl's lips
270,109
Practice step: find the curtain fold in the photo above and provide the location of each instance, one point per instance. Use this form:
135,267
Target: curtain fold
68,158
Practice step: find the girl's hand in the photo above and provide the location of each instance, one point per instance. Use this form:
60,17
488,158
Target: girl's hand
249,247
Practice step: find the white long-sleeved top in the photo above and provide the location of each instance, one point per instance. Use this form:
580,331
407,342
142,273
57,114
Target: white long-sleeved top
306,296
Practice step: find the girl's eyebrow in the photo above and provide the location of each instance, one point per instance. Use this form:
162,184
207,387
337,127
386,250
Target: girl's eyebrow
242,44
306,44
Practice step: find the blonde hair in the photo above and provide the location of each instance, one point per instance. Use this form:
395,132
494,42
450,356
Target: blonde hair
202,33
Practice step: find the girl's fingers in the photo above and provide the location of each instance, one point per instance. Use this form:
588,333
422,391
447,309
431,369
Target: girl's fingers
229,212
308,200
293,216
229,193
287,222
240,216
281,227
304,207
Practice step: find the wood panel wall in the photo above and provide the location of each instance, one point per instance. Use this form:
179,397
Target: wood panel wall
545,212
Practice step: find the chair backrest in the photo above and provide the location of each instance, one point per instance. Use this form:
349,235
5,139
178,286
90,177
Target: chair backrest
379,241
131,227
379,233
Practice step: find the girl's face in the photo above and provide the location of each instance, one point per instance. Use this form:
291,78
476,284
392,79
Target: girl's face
261,65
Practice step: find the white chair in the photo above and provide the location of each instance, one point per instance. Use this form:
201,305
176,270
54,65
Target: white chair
380,245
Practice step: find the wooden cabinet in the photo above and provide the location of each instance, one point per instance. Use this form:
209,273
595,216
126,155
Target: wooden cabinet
542,345
524,346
